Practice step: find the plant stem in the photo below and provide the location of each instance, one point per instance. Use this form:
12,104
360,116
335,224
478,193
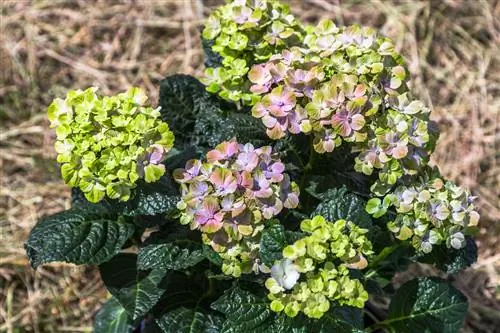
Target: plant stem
387,251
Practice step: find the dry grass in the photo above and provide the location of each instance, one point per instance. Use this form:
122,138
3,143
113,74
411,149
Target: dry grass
48,47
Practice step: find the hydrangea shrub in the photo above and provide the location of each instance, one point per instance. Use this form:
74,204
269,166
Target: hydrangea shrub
298,184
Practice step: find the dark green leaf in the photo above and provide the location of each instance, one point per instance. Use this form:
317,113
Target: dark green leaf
272,243
112,318
182,99
137,291
245,312
184,320
427,305
86,235
151,199
176,255
212,59
338,203
216,127
450,260
330,322
156,198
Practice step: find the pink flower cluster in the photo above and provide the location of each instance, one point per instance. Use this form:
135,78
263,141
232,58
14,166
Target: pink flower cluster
238,187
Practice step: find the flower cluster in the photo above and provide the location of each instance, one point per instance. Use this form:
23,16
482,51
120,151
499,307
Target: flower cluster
345,85
245,32
105,144
430,214
228,197
315,269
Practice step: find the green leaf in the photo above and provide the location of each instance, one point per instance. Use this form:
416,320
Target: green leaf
86,235
152,199
452,261
272,243
213,128
338,203
176,255
427,305
330,322
157,198
182,99
244,312
212,59
184,320
112,318
137,291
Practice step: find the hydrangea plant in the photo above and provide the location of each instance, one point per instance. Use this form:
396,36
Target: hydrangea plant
299,184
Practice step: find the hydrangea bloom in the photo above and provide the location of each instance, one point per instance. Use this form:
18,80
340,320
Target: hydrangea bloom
315,269
229,196
429,214
245,32
345,85
105,144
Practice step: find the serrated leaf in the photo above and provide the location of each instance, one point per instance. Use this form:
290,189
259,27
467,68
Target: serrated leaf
86,235
112,318
272,243
152,199
427,305
182,99
176,255
338,203
185,320
137,291
330,322
244,312
213,128
452,261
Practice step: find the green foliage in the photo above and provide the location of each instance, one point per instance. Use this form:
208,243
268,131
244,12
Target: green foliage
339,204
272,242
112,318
184,320
176,255
427,305
87,235
137,291
247,313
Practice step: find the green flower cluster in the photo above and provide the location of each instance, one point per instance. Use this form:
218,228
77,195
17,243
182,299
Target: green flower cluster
105,144
245,32
315,269
429,214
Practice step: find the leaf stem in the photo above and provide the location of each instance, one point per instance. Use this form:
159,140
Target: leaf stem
387,251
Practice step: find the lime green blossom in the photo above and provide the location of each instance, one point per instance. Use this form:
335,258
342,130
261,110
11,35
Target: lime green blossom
315,269
105,144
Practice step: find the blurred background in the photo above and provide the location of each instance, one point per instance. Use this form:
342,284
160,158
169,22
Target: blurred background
50,46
